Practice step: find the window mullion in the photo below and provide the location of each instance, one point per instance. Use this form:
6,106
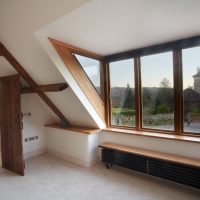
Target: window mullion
138,110
178,104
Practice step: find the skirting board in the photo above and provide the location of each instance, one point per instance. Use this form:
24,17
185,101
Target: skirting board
72,159
31,154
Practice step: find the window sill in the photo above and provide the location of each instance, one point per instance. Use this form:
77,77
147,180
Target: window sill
155,135
78,129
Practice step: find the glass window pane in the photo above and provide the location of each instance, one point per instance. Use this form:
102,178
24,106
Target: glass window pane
157,91
191,89
122,93
92,70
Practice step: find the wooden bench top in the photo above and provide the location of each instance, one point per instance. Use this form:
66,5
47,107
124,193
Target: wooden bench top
79,129
152,154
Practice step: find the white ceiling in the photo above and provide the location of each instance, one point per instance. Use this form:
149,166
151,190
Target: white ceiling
110,26
102,26
18,21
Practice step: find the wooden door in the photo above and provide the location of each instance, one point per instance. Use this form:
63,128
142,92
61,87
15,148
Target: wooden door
10,123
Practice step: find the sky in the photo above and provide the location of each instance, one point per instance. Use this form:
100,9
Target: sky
154,68
191,60
122,73
91,67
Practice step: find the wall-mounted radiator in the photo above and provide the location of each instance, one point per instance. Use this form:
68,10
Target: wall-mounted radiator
176,172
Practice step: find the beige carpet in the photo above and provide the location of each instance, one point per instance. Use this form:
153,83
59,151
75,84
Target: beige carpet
48,178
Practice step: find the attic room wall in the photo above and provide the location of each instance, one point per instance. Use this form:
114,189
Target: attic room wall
34,125
85,152
182,148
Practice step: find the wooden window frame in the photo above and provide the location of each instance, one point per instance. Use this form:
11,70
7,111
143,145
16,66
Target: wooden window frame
176,48
100,73
108,105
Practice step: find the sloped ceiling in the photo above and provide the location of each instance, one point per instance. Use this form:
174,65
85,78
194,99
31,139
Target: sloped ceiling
101,26
111,26
18,21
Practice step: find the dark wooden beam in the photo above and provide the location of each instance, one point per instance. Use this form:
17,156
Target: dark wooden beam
11,125
21,71
45,88
1,53
168,46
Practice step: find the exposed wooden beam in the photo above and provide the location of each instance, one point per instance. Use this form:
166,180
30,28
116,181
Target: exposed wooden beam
77,50
18,67
81,78
45,88
1,54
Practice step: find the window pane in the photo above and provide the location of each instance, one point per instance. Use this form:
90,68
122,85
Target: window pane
122,93
157,91
92,69
191,89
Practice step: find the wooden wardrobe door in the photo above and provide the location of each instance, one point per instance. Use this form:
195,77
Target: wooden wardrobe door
10,123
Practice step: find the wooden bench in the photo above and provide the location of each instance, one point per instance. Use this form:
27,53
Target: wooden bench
174,168
191,117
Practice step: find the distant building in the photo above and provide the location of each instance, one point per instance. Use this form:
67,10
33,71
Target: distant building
197,81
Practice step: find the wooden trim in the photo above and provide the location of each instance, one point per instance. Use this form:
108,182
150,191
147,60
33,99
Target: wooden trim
18,67
102,80
109,107
178,118
79,129
138,108
106,91
168,46
153,154
82,68
77,50
45,88
183,138
81,78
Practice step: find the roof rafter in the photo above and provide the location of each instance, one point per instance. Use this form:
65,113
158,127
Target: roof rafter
45,88
21,71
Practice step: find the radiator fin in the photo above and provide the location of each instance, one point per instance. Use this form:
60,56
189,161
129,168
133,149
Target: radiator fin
179,173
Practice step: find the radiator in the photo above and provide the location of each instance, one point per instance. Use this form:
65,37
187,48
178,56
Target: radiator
171,171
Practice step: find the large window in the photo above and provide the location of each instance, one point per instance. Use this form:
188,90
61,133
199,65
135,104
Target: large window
156,88
191,89
92,69
157,91
122,93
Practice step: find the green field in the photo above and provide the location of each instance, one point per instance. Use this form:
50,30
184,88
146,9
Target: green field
123,111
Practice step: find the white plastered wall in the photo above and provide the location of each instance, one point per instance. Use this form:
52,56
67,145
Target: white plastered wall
34,125
188,149
82,149
75,147
69,79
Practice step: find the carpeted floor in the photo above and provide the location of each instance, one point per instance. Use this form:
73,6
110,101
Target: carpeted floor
48,178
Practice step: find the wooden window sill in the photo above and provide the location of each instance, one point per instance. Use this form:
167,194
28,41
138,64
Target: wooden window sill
152,154
79,129
155,135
